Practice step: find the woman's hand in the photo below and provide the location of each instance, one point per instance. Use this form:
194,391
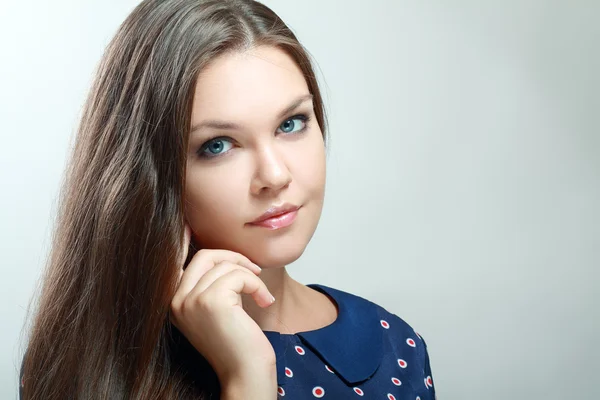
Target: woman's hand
207,309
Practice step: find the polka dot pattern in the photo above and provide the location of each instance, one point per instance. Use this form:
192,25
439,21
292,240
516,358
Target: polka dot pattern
359,391
316,369
402,365
318,392
429,381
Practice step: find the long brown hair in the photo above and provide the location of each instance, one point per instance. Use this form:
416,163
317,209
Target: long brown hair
101,328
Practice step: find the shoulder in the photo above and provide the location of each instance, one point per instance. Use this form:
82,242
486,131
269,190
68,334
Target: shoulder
397,326
387,336
388,320
393,327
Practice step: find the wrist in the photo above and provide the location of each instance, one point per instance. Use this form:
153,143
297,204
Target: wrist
256,384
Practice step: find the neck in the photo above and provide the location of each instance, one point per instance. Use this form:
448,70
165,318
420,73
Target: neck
288,300
297,307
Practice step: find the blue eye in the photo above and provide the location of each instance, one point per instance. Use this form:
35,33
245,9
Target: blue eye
220,145
214,147
288,126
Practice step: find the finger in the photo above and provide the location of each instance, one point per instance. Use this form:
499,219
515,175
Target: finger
215,273
206,259
239,282
206,280
228,255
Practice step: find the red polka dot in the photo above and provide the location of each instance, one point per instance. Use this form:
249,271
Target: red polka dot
358,391
288,372
391,396
418,398
402,363
385,324
411,342
396,381
429,381
280,391
300,350
318,391
329,369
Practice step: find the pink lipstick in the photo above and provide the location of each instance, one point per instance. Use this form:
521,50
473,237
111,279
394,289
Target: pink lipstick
277,217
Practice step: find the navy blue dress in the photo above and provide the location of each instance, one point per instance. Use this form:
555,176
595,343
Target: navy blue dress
366,352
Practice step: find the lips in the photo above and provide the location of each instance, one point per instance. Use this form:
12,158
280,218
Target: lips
275,211
278,221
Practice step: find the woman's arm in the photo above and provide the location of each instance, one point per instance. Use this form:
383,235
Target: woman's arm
261,384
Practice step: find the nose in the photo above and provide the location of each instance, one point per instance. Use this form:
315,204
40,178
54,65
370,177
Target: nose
272,173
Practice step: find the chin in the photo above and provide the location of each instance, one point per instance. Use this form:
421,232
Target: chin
275,257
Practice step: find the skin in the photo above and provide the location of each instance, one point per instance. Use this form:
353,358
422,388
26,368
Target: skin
267,161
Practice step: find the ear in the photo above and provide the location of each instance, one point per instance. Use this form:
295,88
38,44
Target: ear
189,240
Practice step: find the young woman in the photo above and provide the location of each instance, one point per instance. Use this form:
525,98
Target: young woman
198,174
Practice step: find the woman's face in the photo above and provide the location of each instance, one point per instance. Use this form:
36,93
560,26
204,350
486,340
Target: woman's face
254,151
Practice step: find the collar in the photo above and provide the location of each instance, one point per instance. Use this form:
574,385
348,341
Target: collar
352,345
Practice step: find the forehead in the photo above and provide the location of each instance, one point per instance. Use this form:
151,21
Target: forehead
242,85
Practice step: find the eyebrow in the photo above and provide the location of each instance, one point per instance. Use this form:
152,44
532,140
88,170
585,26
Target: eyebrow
232,126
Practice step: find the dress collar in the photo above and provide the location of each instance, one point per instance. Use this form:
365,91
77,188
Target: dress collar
352,346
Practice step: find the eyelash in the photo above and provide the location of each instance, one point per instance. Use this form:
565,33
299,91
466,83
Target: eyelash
302,117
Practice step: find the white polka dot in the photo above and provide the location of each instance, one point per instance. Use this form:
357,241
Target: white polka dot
429,381
402,363
358,391
280,391
385,324
411,342
329,369
288,372
318,391
418,398
300,350
396,381
391,396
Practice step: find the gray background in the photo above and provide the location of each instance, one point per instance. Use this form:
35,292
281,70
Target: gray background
463,174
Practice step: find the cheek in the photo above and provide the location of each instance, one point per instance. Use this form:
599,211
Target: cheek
309,167
213,196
